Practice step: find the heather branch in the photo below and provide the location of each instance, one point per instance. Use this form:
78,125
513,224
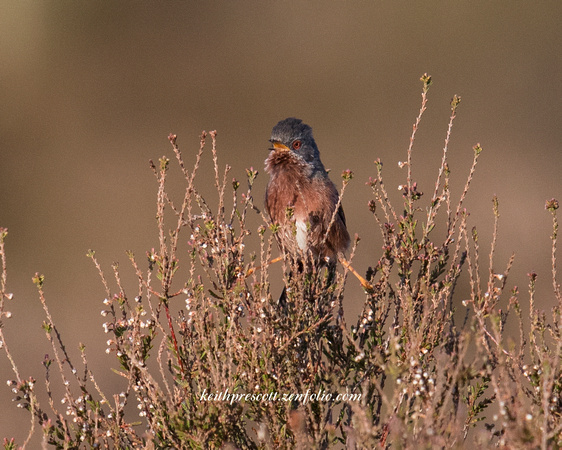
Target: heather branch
426,83
4,295
435,200
477,150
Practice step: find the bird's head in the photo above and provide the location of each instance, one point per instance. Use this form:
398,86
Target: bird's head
291,135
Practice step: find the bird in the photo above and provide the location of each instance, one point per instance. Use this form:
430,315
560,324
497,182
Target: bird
300,197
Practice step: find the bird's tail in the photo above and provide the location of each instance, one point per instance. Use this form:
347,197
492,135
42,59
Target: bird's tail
282,302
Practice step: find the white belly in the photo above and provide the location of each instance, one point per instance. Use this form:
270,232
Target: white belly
302,234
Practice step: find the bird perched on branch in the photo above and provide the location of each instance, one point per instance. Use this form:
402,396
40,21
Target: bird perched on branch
301,198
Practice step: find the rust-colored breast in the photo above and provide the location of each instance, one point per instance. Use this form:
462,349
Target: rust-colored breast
313,200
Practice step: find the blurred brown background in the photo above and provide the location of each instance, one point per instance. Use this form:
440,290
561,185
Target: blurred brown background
90,90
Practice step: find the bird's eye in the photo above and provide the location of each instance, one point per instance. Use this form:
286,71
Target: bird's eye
297,144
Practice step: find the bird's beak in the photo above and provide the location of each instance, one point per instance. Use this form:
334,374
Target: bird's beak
279,146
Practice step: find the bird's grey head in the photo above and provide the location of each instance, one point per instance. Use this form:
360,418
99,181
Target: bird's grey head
293,135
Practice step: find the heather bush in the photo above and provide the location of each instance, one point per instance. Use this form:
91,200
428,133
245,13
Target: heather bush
212,358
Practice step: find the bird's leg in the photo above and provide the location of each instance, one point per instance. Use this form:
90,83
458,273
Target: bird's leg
366,285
